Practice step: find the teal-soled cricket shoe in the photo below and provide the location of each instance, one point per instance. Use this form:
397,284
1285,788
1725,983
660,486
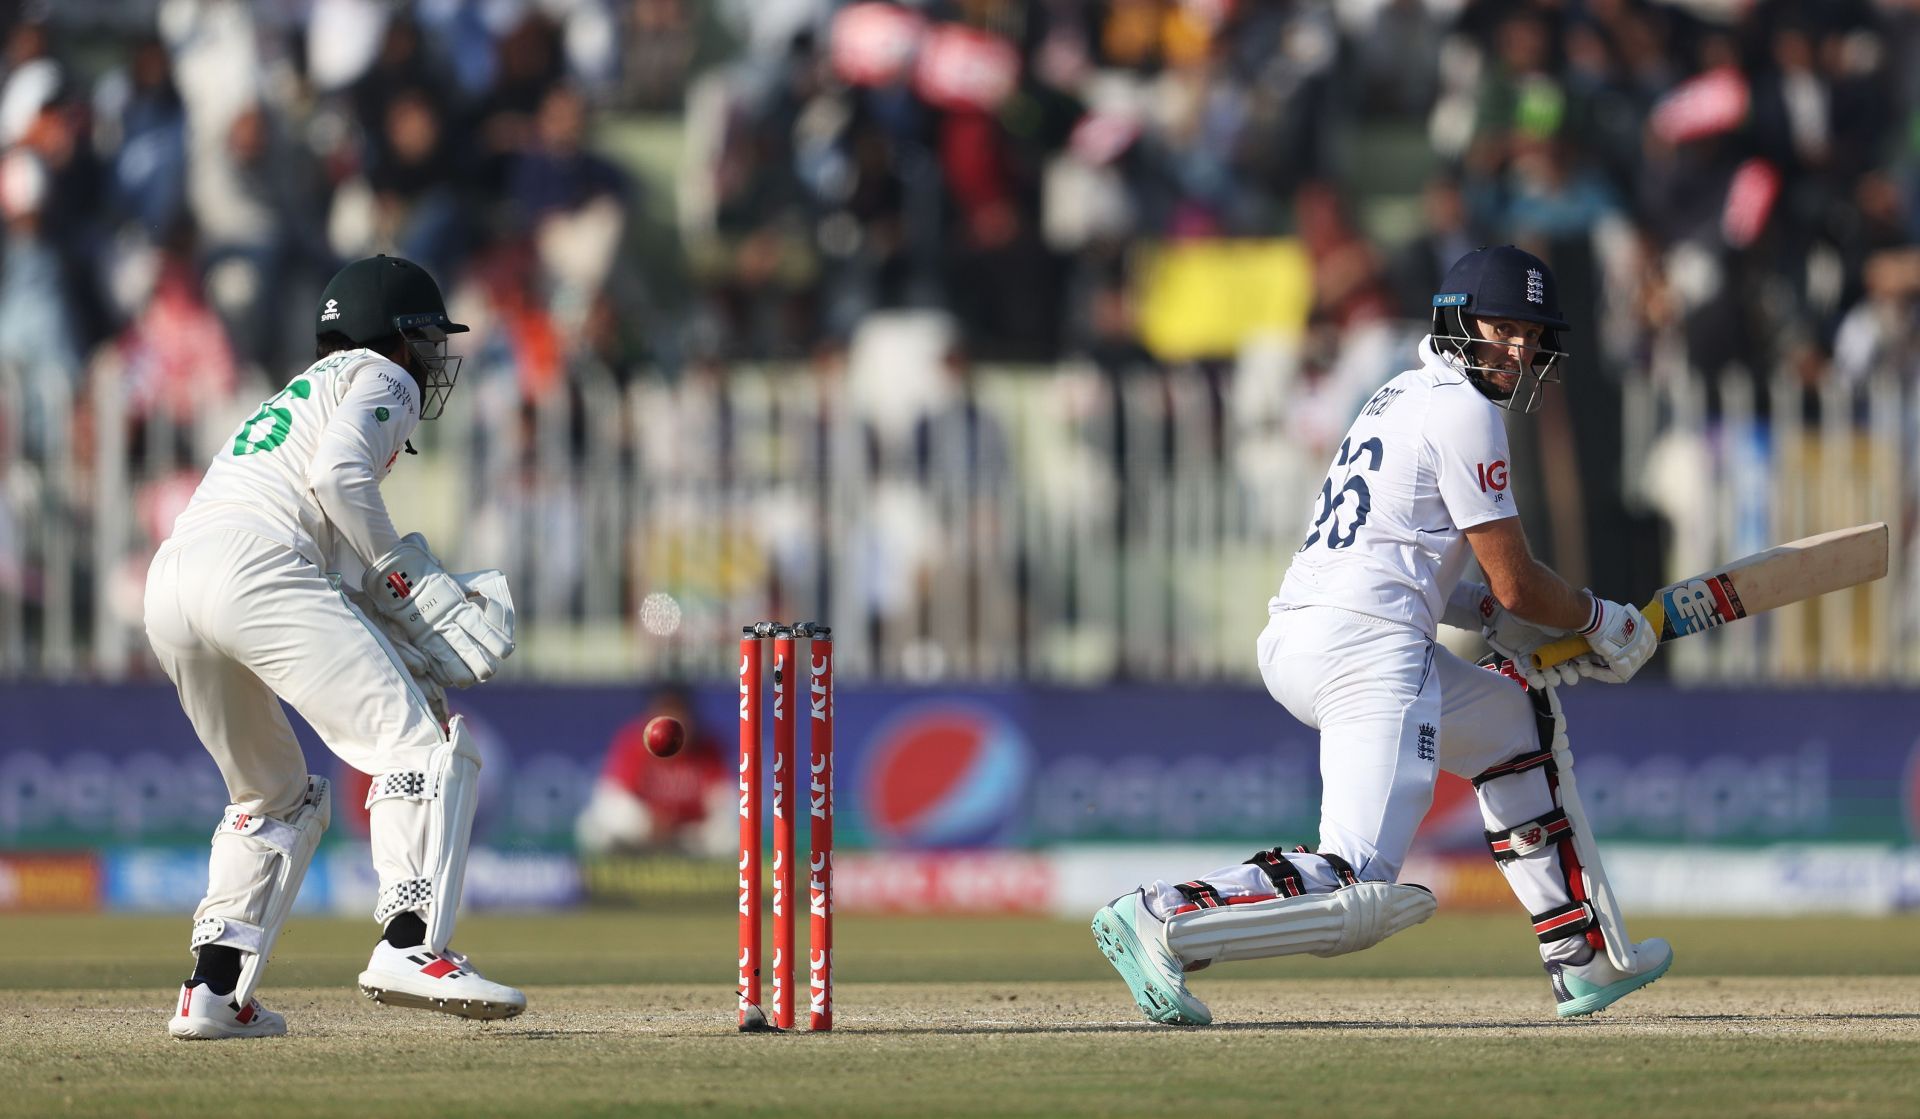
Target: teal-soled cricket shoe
1597,984
1134,941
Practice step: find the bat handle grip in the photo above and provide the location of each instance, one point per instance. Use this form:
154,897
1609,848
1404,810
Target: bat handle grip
1567,648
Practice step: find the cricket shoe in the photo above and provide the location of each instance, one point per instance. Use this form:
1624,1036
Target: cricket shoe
205,1016
1597,984
446,981
1134,941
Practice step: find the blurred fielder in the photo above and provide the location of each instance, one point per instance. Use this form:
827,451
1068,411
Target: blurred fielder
1421,478
245,602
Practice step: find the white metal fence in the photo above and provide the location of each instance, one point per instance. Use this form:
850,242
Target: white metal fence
1064,525
1742,464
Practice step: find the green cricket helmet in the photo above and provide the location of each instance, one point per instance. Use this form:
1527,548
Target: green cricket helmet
376,299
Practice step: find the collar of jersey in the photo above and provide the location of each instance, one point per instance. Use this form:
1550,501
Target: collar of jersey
1437,366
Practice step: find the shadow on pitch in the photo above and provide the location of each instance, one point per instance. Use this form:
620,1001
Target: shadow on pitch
1217,1027
1789,1016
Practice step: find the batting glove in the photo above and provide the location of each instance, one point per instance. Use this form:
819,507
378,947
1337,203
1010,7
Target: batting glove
1621,640
1516,639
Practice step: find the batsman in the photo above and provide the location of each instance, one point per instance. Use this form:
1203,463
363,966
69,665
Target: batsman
285,580
1420,482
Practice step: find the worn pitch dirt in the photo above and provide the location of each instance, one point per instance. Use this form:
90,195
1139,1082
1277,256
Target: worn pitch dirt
1469,1046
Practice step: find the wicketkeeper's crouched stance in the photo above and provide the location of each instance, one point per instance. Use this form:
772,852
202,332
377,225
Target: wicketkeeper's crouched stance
1349,649
246,602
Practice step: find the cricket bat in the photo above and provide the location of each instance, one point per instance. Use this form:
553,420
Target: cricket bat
1791,572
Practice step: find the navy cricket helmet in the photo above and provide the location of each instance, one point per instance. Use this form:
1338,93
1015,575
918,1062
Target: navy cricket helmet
381,297
1500,282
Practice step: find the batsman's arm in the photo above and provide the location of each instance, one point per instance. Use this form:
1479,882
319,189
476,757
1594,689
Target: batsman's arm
1527,588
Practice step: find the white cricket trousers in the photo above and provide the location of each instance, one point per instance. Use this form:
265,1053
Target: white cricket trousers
236,620
1393,709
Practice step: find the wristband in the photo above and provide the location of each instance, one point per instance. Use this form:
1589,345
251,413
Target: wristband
1594,619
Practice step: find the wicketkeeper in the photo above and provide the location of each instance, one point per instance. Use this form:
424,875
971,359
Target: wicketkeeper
284,579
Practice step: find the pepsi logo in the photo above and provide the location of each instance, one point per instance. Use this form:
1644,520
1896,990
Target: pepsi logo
941,775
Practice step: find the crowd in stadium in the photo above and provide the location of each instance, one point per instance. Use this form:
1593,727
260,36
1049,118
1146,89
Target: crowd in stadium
1741,175
1725,188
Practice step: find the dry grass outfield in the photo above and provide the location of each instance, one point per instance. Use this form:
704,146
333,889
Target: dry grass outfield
977,1038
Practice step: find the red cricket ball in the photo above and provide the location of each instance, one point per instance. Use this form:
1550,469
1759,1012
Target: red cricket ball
665,735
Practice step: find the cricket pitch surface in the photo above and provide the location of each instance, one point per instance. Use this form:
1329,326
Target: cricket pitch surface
978,1017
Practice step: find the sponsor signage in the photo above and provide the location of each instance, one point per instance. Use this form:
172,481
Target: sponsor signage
92,768
66,883
952,882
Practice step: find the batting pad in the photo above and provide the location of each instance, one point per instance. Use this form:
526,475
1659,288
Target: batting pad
1606,910
288,845
1334,924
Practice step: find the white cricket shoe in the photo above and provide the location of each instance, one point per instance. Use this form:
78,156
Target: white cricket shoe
1134,941
1581,989
447,982
205,1016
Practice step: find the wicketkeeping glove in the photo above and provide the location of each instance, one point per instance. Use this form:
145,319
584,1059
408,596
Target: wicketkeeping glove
462,646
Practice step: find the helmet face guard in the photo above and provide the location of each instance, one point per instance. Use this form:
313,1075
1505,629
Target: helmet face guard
1500,283
1455,340
426,336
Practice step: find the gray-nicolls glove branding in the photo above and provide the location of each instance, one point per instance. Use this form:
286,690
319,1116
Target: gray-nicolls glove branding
463,647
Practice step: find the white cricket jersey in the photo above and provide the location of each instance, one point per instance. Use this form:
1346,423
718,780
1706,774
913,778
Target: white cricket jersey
305,469
1425,459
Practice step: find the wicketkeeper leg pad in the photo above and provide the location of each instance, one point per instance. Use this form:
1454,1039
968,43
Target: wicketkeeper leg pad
275,855
421,823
